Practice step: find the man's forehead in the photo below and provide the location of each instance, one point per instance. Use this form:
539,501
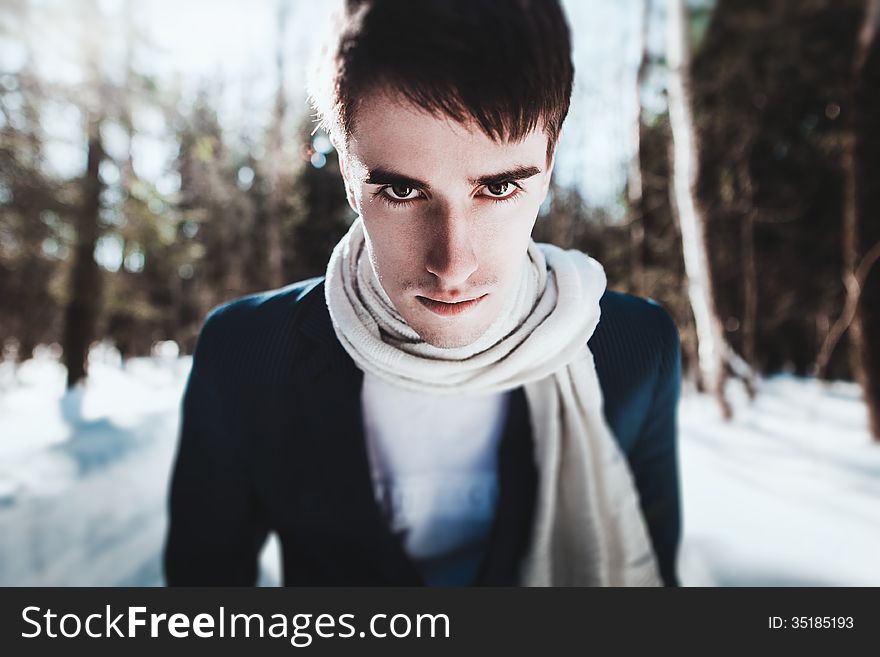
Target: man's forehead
390,135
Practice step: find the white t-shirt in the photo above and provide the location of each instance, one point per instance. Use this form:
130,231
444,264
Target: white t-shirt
434,467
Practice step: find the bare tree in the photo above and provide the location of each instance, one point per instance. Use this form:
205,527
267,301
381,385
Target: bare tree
634,183
82,307
860,319
712,345
85,278
854,282
275,154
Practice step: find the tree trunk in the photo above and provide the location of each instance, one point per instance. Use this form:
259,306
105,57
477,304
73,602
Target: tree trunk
274,245
861,213
634,183
85,278
712,345
750,288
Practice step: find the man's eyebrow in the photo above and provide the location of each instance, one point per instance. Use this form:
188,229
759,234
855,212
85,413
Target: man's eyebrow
516,173
380,176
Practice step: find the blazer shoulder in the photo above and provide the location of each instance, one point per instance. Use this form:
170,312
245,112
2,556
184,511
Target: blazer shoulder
634,332
262,306
643,310
250,329
256,311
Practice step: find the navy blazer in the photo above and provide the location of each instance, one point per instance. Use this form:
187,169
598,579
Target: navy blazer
271,439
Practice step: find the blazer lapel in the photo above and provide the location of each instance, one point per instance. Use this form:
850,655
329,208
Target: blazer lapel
329,383
517,484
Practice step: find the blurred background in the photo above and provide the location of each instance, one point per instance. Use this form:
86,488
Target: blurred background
721,157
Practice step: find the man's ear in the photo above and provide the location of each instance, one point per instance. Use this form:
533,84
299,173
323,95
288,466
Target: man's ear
349,189
549,175
551,160
550,166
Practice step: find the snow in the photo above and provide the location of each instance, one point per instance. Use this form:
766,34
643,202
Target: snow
84,475
784,495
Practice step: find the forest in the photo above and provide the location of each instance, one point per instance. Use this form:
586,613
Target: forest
749,205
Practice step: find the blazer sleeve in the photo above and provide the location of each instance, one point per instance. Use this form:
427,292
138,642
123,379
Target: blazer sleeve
215,529
654,459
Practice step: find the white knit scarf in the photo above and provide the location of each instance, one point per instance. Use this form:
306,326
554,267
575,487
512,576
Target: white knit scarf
588,528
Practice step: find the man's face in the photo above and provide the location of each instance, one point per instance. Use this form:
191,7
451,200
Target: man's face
447,212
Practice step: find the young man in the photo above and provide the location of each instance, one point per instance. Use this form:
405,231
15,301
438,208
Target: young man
452,404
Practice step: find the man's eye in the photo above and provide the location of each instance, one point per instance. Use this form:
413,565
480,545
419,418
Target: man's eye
401,192
501,190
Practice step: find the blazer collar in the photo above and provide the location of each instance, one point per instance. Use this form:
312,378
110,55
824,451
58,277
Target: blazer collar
315,323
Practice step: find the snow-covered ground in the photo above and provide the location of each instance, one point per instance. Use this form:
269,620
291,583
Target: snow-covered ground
787,494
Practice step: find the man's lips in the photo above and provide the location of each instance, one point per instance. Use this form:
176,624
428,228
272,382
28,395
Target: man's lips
449,308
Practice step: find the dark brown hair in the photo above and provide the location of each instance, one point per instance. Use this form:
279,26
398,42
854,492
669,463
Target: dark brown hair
505,64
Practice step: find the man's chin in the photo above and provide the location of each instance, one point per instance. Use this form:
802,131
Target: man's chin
449,339
449,342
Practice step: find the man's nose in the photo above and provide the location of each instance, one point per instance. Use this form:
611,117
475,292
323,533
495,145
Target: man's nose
451,256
